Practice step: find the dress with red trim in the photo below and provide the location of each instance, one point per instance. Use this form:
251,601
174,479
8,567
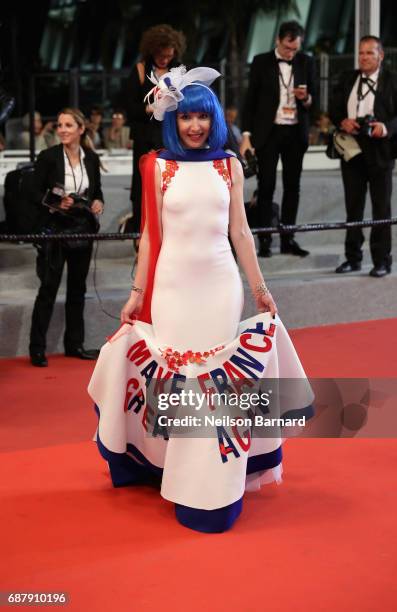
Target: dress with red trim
190,343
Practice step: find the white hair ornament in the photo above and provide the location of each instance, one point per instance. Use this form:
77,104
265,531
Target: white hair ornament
167,91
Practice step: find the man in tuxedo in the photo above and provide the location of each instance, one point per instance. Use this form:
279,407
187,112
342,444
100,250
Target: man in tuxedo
275,121
371,93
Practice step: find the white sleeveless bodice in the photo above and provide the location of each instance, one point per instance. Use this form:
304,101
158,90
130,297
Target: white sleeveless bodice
198,295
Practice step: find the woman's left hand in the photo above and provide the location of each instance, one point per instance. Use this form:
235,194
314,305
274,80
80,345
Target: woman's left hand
265,303
97,207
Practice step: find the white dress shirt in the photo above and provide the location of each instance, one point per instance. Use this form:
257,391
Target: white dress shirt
356,108
287,97
76,179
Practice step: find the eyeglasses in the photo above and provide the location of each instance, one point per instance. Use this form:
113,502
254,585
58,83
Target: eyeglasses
117,116
293,49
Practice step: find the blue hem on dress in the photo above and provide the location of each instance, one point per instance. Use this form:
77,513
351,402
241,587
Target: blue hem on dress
209,521
125,470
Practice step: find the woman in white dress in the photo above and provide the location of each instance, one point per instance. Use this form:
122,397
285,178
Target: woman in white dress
197,295
187,295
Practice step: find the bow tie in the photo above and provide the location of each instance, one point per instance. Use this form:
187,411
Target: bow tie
283,61
367,80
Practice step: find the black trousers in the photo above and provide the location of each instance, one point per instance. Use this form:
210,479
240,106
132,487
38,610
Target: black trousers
285,141
50,262
357,175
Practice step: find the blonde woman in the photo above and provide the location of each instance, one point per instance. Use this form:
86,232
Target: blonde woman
74,165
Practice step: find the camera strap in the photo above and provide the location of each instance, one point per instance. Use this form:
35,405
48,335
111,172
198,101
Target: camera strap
360,95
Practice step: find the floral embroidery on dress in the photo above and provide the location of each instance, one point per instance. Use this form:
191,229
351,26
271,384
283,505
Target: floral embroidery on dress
223,171
175,359
171,167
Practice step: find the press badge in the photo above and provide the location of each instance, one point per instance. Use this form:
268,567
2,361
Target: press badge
288,112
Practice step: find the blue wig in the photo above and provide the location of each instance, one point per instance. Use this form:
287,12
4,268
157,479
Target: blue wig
198,99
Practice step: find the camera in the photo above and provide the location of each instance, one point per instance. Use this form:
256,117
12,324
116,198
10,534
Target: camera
53,200
250,164
364,123
80,200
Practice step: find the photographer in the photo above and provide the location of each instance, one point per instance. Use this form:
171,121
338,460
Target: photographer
67,180
275,121
365,108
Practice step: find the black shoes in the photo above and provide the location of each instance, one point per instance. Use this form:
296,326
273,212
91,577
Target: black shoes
379,271
39,360
376,272
291,247
81,353
347,266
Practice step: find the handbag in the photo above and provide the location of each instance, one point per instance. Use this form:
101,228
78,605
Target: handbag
331,150
79,219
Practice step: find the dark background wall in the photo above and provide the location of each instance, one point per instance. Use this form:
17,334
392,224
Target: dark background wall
53,37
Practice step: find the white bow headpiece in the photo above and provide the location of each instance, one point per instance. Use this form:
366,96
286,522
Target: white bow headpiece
167,91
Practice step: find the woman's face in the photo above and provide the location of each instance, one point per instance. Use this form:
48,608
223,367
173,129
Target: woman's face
68,129
194,129
163,57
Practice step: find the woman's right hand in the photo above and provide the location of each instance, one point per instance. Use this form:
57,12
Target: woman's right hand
131,308
265,303
66,203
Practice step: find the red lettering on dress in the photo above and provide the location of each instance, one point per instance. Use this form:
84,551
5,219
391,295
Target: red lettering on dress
132,385
270,332
243,445
254,347
238,378
208,392
161,380
139,352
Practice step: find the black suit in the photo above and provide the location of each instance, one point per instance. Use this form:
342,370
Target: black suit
271,140
372,168
51,257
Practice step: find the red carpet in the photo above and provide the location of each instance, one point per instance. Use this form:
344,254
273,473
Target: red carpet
325,540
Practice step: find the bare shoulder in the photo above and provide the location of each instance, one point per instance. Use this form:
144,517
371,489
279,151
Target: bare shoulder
237,169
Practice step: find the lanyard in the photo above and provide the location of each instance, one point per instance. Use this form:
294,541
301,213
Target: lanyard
286,85
73,174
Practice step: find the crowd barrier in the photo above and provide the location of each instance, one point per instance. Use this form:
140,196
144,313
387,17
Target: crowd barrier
280,229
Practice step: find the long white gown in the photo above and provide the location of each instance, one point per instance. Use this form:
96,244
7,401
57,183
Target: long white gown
196,305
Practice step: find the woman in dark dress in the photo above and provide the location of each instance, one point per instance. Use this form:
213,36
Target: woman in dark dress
161,48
